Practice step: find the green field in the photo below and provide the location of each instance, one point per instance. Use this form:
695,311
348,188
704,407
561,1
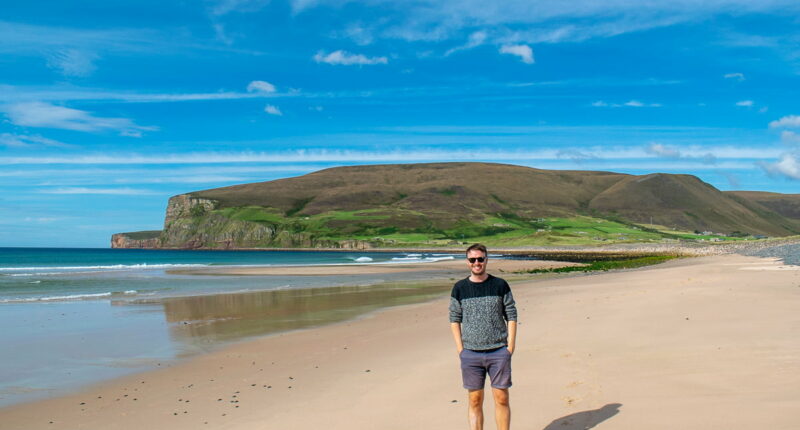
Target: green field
386,228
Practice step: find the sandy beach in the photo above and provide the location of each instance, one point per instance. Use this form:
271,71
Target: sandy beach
703,343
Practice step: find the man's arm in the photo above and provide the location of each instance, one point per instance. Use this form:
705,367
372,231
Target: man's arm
455,327
512,336
510,308
455,318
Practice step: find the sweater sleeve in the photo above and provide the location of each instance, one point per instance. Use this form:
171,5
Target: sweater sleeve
455,307
509,306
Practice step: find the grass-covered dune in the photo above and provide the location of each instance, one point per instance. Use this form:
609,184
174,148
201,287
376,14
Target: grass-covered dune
449,203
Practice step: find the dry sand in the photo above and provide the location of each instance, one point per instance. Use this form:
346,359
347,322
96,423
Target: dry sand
707,343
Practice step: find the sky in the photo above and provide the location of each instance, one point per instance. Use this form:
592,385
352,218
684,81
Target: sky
108,108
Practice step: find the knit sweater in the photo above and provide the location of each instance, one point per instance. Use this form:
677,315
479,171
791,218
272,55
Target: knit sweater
483,308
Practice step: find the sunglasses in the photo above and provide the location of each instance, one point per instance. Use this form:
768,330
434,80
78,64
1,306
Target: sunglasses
478,259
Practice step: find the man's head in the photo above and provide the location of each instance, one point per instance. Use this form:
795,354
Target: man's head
477,258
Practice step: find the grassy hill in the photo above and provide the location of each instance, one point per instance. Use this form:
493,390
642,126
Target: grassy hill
787,205
449,203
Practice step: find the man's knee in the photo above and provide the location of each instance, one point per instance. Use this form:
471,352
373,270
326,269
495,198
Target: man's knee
500,397
475,398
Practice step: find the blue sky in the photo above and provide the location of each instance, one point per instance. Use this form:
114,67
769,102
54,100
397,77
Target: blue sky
109,108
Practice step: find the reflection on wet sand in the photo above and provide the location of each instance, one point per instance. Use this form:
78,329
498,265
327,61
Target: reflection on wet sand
202,321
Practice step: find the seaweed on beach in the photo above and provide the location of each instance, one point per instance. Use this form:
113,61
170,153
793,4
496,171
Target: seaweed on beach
606,265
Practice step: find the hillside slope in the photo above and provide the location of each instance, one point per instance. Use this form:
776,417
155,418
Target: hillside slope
787,205
380,205
684,201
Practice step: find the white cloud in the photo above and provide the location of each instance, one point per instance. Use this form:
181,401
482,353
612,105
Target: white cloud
577,156
110,191
524,52
790,137
260,86
615,154
745,103
526,21
39,114
224,7
190,179
476,39
22,141
26,38
41,220
629,103
788,166
358,33
273,110
73,51
222,35
347,59
665,151
736,76
789,121
733,180
72,62
13,94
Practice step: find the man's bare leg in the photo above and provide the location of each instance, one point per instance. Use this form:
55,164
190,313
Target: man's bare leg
475,409
502,408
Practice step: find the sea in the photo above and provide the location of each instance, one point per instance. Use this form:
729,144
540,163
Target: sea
74,317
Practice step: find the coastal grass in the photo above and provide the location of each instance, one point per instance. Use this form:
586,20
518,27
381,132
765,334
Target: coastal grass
606,265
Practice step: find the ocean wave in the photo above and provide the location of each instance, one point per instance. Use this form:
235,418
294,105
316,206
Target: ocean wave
444,258
421,259
61,270
363,260
69,297
56,298
113,266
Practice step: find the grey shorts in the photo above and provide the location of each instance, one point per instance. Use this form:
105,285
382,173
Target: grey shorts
476,364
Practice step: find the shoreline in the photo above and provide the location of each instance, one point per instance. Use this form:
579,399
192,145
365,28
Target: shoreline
442,267
678,340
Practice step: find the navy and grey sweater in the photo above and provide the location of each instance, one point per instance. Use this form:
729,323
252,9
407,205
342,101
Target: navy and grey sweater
482,309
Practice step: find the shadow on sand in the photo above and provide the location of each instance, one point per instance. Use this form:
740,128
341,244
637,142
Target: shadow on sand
586,419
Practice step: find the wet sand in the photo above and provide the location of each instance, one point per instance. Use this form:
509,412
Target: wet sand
702,343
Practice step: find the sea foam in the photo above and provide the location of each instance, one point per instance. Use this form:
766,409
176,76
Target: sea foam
68,297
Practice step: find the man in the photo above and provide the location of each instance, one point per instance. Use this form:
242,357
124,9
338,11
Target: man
483,318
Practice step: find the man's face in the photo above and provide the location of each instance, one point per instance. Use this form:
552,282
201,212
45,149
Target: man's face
477,267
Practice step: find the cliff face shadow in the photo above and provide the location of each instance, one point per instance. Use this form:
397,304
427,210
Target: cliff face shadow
586,419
